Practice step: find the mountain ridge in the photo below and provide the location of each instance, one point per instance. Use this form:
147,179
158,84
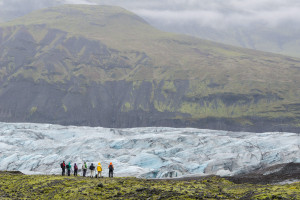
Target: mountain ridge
277,38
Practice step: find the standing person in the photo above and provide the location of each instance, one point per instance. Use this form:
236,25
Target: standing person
75,169
99,170
63,168
69,168
111,170
92,168
84,168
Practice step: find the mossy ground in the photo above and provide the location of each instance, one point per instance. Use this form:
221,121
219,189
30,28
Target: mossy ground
15,186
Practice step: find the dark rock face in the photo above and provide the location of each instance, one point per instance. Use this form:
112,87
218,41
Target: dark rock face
111,104
11,172
99,105
270,175
276,174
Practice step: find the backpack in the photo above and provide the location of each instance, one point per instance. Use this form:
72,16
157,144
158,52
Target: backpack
75,167
92,167
111,167
62,165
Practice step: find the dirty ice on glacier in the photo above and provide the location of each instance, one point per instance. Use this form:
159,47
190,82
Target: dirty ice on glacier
153,152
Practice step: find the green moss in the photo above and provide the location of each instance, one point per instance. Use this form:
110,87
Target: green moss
126,107
244,121
144,108
169,86
136,84
65,108
163,106
33,110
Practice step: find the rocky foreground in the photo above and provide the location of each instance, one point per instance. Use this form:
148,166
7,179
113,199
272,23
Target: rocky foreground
15,185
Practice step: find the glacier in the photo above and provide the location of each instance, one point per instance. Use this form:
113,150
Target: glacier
151,152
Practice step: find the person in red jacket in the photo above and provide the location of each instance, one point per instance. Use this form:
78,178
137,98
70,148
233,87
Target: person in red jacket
111,170
63,168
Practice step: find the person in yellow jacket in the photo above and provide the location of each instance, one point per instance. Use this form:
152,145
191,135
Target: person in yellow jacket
99,170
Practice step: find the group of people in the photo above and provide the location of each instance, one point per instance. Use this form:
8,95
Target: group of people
85,168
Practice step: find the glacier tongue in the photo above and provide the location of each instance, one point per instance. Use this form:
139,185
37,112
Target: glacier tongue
154,152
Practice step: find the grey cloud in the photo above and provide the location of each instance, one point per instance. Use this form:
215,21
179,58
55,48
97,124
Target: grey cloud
217,13
213,13
11,9
79,2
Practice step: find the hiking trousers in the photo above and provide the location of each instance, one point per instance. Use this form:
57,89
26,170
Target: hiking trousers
111,173
63,172
92,173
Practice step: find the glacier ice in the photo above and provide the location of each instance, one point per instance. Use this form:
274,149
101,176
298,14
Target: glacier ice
152,152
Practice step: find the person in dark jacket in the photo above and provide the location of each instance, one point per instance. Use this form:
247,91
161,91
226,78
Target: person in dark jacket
63,168
69,169
75,169
111,170
92,168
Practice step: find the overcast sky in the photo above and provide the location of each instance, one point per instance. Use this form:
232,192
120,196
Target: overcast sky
215,13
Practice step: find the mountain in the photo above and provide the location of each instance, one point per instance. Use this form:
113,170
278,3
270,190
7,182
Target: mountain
282,39
277,34
105,66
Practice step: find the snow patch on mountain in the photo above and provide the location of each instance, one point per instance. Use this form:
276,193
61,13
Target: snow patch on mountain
153,152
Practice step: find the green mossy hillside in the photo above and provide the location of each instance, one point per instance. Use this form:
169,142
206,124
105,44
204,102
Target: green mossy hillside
13,186
105,66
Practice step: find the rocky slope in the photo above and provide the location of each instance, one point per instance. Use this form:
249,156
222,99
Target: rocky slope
283,38
105,66
277,174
